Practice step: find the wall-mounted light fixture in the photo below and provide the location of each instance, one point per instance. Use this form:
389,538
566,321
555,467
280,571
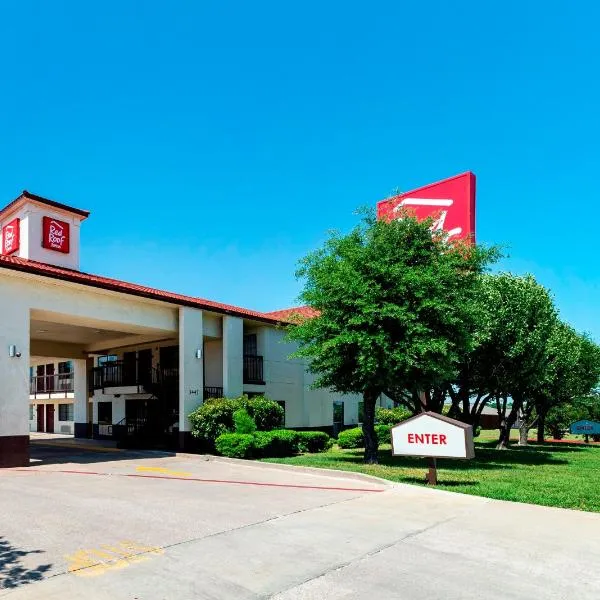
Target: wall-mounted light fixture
12,352
199,353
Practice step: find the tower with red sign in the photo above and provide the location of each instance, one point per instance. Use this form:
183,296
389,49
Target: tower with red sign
36,228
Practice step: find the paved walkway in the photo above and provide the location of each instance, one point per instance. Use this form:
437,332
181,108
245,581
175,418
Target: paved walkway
140,526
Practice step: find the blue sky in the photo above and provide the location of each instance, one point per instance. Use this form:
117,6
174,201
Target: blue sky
216,142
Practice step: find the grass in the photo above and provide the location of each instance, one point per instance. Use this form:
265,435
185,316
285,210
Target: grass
562,474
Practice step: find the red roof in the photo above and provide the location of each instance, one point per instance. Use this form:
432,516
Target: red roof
29,196
287,314
45,270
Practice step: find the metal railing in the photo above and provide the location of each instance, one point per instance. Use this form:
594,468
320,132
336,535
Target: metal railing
212,392
253,369
59,383
118,373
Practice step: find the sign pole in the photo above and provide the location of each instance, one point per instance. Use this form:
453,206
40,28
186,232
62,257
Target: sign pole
432,472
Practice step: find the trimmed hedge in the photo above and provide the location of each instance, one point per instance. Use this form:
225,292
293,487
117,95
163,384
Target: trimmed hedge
243,422
235,445
391,416
215,416
276,443
353,438
313,441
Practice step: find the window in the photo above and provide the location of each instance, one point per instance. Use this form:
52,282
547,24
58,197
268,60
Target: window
65,412
65,367
250,345
361,412
105,413
102,360
31,412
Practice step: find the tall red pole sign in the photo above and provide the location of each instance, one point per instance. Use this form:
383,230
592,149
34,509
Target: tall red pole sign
450,202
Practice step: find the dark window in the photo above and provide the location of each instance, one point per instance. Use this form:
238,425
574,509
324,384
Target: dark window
65,412
338,412
105,413
361,412
250,345
282,404
65,367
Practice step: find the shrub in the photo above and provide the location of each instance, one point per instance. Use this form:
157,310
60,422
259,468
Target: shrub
215,416
384,434
392,416
267,414
235,445
313,441
279,442
243,422
351,438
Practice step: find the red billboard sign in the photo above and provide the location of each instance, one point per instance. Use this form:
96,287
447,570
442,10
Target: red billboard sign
11,237
55,235
450,202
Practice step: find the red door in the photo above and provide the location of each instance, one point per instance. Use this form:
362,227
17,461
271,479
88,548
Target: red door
49,418
40,417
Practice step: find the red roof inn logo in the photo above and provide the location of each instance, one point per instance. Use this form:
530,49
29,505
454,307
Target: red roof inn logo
450,202
10,237
55,235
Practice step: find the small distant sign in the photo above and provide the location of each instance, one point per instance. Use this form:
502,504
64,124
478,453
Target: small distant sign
585,427
433,435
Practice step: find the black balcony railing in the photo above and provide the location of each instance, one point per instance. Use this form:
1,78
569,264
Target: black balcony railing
59,383
212,392
253,369
118,373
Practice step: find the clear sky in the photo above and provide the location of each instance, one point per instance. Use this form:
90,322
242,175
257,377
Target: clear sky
216,142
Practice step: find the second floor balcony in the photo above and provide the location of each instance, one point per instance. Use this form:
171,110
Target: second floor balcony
56,385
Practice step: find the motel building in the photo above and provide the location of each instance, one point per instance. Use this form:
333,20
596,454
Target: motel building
95,357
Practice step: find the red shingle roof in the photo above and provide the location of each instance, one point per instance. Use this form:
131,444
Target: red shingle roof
45,270
287,314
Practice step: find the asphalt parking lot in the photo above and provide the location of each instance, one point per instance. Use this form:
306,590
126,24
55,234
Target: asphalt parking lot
146,526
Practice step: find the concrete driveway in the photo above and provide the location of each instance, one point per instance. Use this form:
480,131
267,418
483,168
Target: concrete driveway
94,525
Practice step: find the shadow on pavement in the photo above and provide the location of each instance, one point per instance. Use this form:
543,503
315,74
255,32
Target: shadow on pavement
55,455
12,571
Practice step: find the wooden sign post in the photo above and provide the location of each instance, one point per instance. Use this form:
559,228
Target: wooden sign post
433,436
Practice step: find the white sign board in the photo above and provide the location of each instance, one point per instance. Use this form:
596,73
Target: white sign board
430,434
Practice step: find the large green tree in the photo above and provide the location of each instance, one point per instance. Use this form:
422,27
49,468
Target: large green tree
395,310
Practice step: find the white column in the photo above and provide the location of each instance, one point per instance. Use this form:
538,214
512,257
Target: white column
233,357
80,397
191,372
14,380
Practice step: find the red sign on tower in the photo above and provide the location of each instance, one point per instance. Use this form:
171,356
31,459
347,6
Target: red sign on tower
11,237
450,202
55,235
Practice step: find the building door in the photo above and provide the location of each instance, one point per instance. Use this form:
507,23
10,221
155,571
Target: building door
40,380
49,418
129,368
40,417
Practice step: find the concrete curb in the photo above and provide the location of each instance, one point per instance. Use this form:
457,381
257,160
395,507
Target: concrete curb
74,446
323,472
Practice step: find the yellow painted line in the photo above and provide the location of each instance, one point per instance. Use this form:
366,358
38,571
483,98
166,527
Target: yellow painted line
76,446
92,562
163,471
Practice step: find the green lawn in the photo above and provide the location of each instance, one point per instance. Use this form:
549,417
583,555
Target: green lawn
563,475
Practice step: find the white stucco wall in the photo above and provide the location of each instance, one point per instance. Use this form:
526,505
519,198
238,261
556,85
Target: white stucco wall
191,371
213,363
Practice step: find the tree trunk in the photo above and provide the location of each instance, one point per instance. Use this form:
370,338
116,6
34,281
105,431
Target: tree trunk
540,427
368,427
523,428
506,424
